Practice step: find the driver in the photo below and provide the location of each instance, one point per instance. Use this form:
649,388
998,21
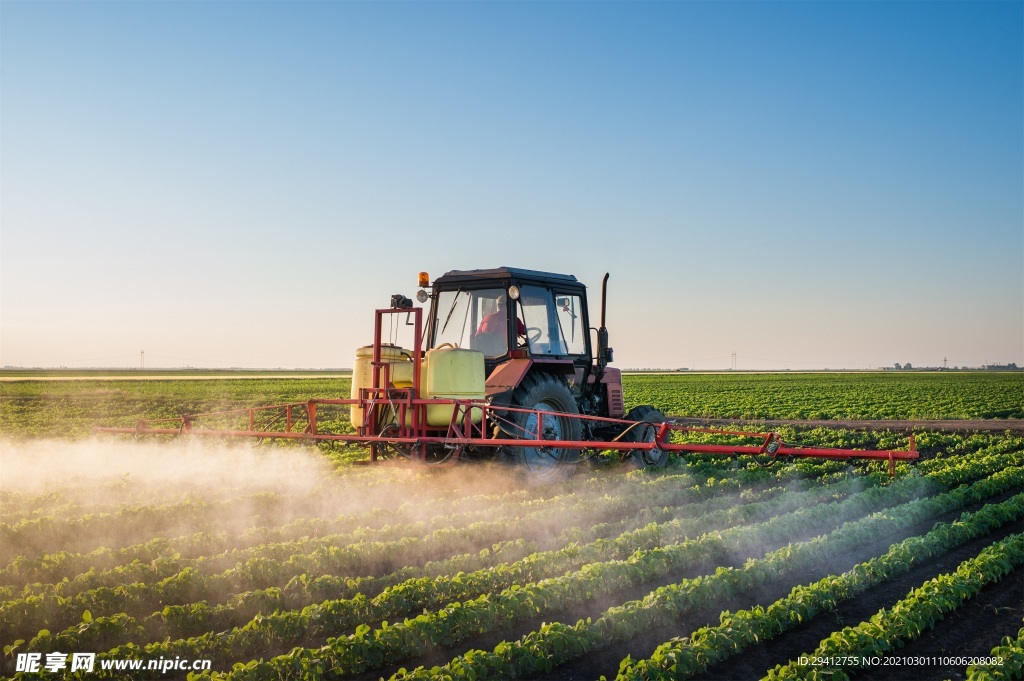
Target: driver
495,322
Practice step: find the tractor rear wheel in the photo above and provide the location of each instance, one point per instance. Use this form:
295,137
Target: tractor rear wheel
544,392
648,419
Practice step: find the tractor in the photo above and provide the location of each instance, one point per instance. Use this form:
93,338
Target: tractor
528,336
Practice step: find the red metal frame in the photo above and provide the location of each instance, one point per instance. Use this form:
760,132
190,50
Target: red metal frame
382,378
461,432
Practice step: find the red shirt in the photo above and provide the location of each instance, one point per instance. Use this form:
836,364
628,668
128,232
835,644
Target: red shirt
495,323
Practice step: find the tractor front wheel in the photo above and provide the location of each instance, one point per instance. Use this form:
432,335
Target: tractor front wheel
543,393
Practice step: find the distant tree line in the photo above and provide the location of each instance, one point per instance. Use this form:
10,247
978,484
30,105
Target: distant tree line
987,367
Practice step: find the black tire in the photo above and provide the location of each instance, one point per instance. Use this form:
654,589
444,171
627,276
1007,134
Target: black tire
544,392
647,428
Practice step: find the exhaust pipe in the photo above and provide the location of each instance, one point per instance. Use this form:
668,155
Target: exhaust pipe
604,353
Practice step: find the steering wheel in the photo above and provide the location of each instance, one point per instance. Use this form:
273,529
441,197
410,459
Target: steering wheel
447,345
533,334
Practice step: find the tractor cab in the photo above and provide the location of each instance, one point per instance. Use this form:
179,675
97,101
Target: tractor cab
508,313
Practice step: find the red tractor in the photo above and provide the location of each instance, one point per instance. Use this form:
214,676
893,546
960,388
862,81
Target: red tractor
531,332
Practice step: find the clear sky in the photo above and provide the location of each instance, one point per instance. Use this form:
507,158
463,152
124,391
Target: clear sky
806,184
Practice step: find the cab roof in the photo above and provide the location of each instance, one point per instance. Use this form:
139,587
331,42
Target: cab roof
506,273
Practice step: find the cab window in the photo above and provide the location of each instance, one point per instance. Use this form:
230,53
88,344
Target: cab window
569,309
554,322
473,319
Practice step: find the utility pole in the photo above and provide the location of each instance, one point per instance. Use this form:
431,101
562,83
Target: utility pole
142,359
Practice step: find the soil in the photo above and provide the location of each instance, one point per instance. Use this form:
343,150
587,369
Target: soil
950,425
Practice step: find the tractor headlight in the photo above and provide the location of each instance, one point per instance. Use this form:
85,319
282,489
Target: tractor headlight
513,292
422,296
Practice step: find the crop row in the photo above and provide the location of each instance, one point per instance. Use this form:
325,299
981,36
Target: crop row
169,648
557,643
707,646
160,559
1008,661
723,476
258,541
192,515
187,618
296,626
189,584
910,617
40,534
54,504
304,619
22,615
369,648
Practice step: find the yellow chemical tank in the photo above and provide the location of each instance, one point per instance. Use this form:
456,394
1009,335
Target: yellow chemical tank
401,374
400,360
453,373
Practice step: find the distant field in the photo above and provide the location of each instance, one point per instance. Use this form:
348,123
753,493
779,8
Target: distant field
838,395
43,406
72,408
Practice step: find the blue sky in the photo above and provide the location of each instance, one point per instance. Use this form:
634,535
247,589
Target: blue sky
806,184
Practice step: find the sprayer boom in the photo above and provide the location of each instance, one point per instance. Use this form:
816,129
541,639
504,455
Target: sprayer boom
300,423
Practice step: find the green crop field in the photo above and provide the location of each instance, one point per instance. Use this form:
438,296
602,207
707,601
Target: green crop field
867,395
214,559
